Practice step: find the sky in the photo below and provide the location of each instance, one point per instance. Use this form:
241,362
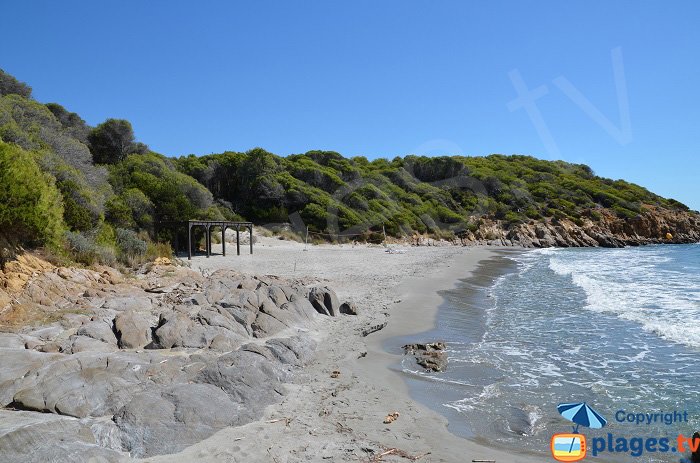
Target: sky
615,85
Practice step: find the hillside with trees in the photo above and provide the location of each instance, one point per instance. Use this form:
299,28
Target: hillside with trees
93,194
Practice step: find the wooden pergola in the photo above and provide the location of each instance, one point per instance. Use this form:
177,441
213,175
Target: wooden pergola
208,226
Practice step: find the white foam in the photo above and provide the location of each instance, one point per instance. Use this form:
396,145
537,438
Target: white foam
635,285
469,403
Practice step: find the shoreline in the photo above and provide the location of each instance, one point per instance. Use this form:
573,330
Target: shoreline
474,290
423,301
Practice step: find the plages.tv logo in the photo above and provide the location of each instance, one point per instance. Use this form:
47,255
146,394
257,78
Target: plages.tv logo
572,446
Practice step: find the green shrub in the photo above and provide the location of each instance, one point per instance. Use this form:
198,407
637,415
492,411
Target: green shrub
155,250
31,211
514,218
154,190
130,247
623,212
84,249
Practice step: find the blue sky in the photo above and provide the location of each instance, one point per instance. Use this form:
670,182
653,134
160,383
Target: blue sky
381,79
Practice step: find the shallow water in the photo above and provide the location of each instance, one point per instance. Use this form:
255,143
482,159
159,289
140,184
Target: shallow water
616,328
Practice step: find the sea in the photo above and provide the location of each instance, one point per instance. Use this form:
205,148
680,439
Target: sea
618,329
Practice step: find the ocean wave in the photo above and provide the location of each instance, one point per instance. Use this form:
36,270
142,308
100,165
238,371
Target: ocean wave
638,286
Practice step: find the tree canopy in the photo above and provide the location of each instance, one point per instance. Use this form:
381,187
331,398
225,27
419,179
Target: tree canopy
11,86
112,141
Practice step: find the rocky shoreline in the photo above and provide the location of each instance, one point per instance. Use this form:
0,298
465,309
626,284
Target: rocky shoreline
651,226
146,365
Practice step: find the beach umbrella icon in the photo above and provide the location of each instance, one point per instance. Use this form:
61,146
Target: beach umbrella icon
581,414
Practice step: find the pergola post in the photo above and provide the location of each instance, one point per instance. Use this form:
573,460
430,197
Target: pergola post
189,241
250,232
223,239
207,239
238,240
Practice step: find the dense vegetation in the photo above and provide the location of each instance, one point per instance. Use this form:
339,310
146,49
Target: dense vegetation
78,189
95,193
416,193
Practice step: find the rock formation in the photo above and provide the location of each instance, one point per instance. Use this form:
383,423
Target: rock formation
98,365
431,356
651,226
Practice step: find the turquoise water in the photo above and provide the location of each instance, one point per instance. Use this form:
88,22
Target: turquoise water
616,328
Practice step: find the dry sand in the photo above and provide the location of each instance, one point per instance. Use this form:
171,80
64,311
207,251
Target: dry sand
341,419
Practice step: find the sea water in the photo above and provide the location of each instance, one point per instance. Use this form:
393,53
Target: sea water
618,329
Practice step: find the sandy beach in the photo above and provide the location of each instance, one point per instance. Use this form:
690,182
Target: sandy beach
341,419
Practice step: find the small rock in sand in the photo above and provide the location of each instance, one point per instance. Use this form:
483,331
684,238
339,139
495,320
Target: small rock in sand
431,356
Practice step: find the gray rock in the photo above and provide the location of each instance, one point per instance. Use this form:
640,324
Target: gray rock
220,317
224,343
167,422
106,433
178,330
48,333
88,344
247,377
133,330
302,306
266,324
277,295
28,437
16,364
83,384
11,341
295,350
324,301
98,329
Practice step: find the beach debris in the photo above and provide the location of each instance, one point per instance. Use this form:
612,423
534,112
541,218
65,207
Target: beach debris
399,453
391,417
373,329
341,428
286,420
483,461
335,374
395,251
431,355
362,355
